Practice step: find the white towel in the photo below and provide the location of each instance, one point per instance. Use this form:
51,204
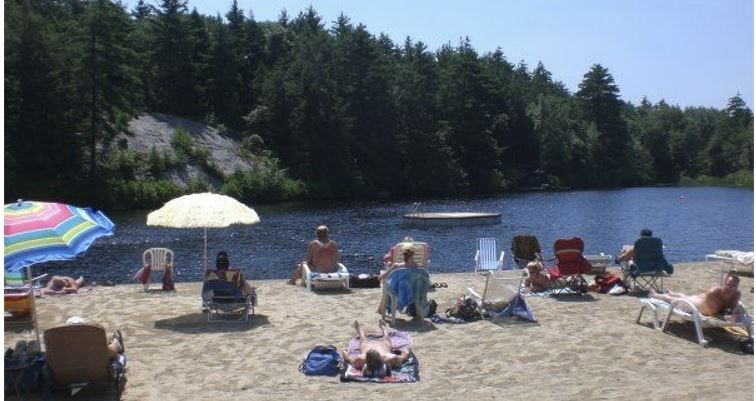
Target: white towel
741,257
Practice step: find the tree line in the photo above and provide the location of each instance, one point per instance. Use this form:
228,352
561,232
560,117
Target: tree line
336,110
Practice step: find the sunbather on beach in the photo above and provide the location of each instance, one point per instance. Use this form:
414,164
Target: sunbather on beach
537,280
376,357
222,266
322,255
718,300
60,285
408,260
408,254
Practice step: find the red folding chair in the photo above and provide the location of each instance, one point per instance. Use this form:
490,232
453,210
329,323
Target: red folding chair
570,266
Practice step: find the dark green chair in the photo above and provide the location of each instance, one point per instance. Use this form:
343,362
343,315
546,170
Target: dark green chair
649,266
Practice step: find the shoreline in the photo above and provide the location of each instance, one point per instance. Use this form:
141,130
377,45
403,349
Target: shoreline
581,348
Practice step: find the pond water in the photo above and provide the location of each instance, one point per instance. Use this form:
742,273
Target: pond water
692,221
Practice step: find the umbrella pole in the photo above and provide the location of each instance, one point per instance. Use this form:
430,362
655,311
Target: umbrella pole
33,305
205,258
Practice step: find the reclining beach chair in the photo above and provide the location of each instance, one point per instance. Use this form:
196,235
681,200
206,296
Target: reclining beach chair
570,266
500,290
222,297
685,310
421,255
525,249
77,355
405,286
19,296
648,267
336,280
159,260
487,257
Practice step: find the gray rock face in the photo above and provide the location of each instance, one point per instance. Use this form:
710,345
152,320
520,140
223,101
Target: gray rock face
156,129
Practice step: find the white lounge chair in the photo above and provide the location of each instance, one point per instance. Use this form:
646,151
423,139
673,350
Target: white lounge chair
159,259
500,289
683,309
486,256
335,280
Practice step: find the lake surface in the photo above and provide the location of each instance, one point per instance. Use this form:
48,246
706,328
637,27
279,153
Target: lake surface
692,221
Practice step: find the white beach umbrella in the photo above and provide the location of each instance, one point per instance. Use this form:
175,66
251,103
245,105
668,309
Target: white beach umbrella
206,210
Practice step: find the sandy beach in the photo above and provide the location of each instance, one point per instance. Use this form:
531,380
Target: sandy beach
582,347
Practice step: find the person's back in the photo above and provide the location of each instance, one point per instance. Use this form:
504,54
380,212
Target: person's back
324,256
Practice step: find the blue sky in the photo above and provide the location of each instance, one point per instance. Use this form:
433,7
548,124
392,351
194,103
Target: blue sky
687,52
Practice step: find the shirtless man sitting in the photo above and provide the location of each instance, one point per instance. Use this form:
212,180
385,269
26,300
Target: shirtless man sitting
719,300
322,255
376,357
61,285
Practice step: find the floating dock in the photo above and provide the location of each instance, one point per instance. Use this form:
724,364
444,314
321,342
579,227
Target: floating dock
425,220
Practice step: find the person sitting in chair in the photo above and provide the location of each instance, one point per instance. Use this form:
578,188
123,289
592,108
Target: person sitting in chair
224,272
408,256
61,285
376,357
322,255
537,280
719,300
628,251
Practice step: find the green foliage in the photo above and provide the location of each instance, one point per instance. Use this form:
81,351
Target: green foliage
344,112
263,185
741,179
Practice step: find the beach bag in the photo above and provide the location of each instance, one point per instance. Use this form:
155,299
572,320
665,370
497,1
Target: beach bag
606,281
466,309
364,281
321,361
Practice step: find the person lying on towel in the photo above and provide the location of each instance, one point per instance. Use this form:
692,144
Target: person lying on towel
61,285
375,358
719,300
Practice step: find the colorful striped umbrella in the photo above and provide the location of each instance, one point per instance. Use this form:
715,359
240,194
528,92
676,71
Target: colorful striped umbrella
38,232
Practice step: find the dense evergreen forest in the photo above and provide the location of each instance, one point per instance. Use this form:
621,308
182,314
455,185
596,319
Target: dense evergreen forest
328,109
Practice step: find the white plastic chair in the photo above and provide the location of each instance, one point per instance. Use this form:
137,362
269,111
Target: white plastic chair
486,256
337,279
159,259
421,255
685,310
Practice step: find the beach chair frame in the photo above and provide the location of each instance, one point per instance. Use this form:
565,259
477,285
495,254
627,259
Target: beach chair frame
227,304
663,312
486,256
389,296
649,266
518,242
421,255
336,280
508,281
159,260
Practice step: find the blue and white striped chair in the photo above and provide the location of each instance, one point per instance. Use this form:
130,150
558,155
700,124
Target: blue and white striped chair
486,256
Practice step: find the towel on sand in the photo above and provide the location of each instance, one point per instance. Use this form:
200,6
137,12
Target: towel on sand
407,373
